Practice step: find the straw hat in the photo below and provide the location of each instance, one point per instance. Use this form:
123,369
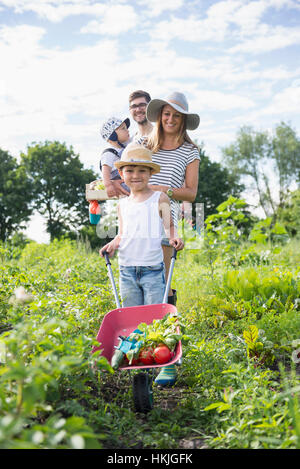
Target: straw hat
137,155
179,102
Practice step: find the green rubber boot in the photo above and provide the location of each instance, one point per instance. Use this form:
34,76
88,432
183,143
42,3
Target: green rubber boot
167,376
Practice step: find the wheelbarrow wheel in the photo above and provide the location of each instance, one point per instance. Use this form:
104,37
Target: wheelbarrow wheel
142,393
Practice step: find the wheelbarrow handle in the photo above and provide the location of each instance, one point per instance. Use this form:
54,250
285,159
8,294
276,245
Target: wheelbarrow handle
174,254
169,279
106,257
111,277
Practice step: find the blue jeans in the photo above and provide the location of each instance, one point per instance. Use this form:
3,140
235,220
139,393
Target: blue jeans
144,285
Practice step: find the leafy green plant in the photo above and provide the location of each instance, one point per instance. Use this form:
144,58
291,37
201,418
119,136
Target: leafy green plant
55,394
265,231
223,231
261,351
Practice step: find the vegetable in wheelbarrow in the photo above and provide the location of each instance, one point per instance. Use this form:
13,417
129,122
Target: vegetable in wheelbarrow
126,343
117,359
162,354
146,356
140,346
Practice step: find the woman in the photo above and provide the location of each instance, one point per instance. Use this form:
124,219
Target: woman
176,154
179,159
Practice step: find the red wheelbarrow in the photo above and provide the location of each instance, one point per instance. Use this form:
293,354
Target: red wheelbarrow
121,322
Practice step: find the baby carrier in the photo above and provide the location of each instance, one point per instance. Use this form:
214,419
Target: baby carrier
114,172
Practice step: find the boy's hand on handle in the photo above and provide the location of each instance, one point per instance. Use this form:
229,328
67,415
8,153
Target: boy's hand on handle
177,243
109,248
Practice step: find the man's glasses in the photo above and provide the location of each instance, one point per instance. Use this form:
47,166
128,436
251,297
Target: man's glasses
136,106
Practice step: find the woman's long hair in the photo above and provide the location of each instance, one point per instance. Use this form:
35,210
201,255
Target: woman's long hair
156,138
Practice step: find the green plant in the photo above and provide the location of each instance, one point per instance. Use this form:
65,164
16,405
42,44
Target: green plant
261,351
266,231
55,394
223,231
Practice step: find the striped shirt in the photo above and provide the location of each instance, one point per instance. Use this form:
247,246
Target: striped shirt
173,164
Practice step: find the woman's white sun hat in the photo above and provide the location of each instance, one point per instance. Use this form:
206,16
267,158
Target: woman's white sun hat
179,102
137,155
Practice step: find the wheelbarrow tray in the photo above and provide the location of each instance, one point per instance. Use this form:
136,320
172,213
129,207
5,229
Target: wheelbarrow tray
123,321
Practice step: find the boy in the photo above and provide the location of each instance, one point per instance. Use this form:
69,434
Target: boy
143,217
115,132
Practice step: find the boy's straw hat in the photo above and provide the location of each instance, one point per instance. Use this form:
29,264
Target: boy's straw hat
137,155
179,102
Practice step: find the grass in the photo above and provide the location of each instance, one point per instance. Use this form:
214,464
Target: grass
227,395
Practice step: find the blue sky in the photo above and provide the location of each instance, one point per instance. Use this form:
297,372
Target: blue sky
69,64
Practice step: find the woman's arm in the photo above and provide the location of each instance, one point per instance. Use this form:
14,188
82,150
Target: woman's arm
189,191
170,230
113,188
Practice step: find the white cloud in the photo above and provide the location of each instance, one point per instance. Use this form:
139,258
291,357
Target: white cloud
56,10
234,21
284,3
21,35
286,101
190,29
156,7
215,26
115,20
224,10
221,101
42,88
247,18
268,39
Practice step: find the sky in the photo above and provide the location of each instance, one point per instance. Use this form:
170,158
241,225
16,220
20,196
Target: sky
67,65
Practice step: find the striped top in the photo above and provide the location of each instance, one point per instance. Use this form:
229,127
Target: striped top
173,164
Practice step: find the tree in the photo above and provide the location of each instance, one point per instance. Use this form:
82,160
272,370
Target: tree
289,213
58,181
286,154
246,157
215,184
270,162
15,196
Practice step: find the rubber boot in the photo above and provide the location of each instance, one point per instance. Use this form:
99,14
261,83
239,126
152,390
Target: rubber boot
167,376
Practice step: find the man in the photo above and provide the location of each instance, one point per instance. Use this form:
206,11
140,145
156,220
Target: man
138,101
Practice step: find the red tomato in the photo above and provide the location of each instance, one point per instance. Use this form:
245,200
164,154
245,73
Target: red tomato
135,362
162,354
146,356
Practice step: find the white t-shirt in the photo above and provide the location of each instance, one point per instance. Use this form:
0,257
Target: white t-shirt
142,232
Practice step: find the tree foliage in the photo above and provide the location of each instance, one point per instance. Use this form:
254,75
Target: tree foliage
15,196
289,214
269,161
286,153
215,184
58,181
